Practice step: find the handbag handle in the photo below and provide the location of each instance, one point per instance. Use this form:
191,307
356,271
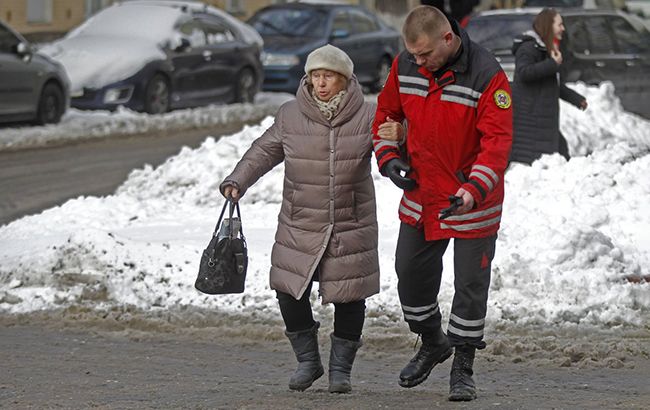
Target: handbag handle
234,206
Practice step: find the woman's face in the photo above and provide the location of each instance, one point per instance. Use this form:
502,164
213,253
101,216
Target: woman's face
327,83
558,27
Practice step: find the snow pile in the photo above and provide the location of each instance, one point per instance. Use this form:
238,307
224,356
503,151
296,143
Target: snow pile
572,233
81,125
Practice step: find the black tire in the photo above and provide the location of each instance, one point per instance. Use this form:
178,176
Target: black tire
246,86
383,68
157,95
51,105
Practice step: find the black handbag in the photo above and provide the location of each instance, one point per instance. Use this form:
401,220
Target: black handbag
225,259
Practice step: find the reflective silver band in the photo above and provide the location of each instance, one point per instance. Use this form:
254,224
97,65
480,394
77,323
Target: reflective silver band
415,91
488,171
469,227
465,333
413,80
419,309
420,318
408,212
463,90
465,322
383,143
475,215
412,204
483,178
459,100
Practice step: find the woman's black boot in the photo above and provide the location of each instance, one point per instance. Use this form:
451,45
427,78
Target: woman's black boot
305,346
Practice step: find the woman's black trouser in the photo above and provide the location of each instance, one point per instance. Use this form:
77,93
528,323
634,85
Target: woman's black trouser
297,315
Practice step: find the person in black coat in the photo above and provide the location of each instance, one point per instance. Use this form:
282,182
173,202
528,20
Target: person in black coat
537,88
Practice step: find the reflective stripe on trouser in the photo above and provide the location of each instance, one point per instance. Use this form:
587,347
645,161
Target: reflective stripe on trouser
419,270
472,266
418,264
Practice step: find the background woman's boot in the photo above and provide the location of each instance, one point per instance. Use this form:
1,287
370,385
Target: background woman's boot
342,356
461,384
305,346
435,349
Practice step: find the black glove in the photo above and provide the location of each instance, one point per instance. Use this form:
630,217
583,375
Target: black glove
394,168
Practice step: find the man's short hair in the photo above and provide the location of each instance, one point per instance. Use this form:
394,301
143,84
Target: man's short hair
424,20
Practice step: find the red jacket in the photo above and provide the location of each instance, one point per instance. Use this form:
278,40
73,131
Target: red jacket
459,134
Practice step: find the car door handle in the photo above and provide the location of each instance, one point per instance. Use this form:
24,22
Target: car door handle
599,63
207,55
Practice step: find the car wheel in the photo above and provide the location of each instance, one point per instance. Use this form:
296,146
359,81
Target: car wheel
246,86
50,105
383,68
157,95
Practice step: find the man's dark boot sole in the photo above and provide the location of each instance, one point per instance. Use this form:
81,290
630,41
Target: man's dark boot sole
412,383
462,396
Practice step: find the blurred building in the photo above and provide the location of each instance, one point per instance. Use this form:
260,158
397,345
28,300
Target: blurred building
44,20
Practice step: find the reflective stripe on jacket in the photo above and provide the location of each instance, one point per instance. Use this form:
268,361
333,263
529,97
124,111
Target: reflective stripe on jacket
459,134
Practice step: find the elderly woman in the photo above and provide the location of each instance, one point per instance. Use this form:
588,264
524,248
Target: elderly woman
327,227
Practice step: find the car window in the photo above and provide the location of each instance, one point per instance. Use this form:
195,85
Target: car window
342,22
217,33
192,30
600,36
8,40
496,33
630,41
363,23
576,35
290,22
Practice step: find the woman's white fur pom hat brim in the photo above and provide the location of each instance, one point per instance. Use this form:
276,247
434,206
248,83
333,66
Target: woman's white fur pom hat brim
330,58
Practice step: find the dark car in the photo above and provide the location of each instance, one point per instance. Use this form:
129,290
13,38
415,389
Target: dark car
154,56
32,86
598,45
291,31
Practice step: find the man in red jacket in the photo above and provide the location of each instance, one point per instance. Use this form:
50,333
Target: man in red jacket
454,99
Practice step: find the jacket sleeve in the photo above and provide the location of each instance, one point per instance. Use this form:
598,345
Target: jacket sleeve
389,104
494,124
570,96
265,153
528,69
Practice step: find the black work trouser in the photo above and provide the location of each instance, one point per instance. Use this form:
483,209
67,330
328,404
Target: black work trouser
297,315
418,263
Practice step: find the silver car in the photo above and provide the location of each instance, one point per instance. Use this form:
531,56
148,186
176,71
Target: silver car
33,87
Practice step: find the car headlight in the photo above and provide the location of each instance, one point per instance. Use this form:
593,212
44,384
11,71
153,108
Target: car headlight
118,95
288,60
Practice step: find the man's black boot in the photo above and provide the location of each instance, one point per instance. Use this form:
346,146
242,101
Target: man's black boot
305,346
435,349
461,384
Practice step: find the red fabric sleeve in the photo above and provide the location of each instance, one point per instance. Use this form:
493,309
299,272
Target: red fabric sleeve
389,104
494,124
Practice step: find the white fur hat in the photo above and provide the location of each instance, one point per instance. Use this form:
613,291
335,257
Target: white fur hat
330,58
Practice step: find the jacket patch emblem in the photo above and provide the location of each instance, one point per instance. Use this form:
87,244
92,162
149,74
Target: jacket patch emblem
502,99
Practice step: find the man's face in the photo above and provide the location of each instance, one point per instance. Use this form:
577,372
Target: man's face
429,52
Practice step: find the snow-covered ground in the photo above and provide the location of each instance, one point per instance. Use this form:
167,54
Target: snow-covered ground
573,234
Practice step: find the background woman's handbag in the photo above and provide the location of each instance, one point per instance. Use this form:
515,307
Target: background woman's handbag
225,260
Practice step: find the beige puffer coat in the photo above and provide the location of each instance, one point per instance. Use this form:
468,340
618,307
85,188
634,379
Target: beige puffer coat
328,216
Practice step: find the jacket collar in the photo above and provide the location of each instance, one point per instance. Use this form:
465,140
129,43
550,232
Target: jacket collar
534,36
